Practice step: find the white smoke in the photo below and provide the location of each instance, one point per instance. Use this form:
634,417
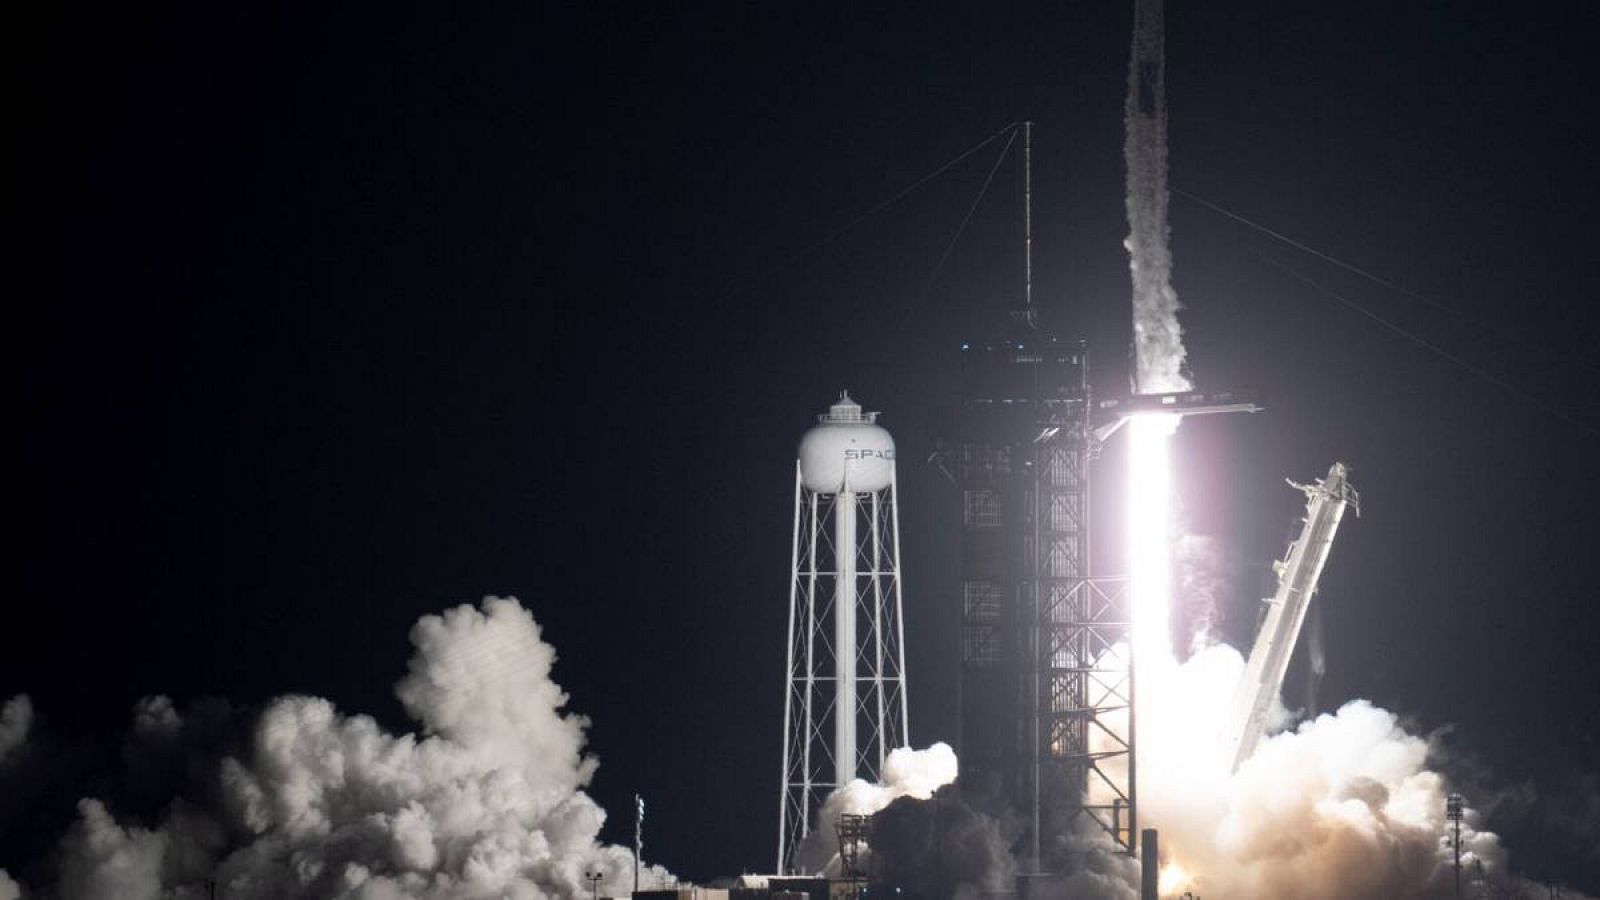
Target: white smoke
1339,807
104,861
8,888
484,802
16,717
1157,338
906,773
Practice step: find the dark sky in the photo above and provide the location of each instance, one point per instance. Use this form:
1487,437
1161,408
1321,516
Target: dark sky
326,319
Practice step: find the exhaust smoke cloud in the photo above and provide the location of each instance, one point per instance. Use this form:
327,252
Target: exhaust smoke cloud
485,801
1341,805
917,774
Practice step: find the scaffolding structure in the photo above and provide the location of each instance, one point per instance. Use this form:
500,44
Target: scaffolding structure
855,835
1046,677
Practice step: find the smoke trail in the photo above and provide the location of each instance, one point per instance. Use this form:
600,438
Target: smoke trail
485,802
1157,337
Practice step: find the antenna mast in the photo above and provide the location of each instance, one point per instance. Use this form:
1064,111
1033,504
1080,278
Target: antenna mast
1028,223
1027,219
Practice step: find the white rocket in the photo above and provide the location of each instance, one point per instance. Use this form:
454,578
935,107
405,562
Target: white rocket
1286,612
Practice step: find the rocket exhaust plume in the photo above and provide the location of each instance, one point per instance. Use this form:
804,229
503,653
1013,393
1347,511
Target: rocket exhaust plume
1157,338
1340,807
486,801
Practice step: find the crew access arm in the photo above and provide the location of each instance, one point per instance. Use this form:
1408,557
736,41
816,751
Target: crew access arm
1286,612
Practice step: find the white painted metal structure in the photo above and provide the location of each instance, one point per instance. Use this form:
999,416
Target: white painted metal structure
1298,573
844,701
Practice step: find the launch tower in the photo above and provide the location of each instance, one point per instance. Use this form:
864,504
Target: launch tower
1045,699
844,703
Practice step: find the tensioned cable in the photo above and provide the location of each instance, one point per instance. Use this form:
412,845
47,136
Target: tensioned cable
962,228
1429,345
1498,330
949,248
843,229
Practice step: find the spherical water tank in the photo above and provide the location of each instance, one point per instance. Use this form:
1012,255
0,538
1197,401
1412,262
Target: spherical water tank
845,440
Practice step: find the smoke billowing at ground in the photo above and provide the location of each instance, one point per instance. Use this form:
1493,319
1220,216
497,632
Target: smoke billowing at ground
1341,805
907,773
939,846
302,800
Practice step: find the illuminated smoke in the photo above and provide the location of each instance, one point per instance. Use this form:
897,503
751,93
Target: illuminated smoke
925,840
1157,337
906,773
1202,576
485,802
1339,806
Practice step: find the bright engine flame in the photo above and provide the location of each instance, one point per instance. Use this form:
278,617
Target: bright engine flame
1172,880
1149,539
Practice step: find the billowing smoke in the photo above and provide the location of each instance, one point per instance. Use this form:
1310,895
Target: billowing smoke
1157,338
906,773
925,840
485,801
1342,805
940,847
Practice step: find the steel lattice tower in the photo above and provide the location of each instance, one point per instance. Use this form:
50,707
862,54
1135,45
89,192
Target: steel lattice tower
1045,693
844,698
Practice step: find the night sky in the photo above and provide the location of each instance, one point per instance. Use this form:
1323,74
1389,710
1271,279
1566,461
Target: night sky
327,319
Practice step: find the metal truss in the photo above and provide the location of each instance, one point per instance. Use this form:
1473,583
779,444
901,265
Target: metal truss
1086,716
811,693
1079,659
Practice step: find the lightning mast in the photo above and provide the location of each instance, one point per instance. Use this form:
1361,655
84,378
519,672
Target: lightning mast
1298,573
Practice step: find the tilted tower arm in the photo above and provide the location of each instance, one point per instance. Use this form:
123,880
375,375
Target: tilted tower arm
1298,573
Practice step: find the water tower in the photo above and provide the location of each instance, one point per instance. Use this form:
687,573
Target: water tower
844,704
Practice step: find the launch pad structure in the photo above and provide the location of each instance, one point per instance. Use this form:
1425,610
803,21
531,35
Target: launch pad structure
1047,683
1046,698
1047,667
